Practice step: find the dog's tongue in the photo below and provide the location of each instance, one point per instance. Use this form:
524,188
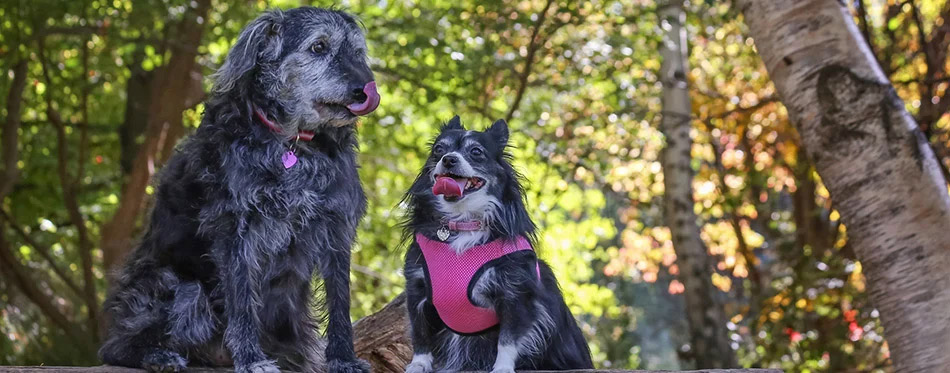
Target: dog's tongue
372,101
447,186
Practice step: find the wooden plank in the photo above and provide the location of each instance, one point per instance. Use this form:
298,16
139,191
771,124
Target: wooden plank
111,369
381,339
98,369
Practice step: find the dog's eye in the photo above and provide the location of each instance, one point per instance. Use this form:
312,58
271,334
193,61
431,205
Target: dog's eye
438,149
476,151
319,47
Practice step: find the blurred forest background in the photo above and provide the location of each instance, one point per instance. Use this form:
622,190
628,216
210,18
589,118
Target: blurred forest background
85,82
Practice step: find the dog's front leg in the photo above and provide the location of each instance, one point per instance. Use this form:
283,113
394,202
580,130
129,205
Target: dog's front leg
341,357
241,290
514,325
422,328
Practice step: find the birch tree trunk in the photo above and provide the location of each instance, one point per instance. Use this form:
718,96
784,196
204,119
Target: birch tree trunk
710,345
874,160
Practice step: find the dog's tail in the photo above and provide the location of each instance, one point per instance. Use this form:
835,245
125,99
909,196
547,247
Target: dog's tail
568,349
575,354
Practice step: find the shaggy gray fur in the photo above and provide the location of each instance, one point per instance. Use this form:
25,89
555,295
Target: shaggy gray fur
223,273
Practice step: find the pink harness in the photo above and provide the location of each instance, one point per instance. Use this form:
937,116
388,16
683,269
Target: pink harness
450,275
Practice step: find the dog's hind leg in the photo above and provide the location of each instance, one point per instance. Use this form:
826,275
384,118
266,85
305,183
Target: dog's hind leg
291,331
141,351
191,321
138,337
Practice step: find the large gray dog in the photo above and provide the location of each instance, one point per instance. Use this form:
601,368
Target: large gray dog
264,194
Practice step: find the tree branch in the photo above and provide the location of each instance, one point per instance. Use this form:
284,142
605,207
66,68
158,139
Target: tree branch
742,109
70,30
16,273
11,126
940,45
865,25
922,81
43,251
10,267
887,57
85,90
533,45
416,82
70,186
735,220
925,116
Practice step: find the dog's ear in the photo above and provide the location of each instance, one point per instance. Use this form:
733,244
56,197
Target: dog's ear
499,131
453,124
260,42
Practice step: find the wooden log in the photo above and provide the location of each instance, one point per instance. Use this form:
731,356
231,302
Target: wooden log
382,339
109,369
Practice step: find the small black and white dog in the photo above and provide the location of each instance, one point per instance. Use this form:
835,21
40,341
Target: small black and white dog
478,296
264,194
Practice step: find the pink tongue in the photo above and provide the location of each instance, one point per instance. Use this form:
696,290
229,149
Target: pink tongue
447,186
371,103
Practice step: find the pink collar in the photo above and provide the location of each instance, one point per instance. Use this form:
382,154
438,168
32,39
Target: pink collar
446,230
302,135
473,225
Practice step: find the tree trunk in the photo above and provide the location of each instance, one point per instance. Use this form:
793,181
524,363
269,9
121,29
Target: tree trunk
934,50
710,345
138,94
169,99
810,229
11,126
875,162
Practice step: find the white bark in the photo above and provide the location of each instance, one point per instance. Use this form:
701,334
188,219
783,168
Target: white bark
870,154
709,342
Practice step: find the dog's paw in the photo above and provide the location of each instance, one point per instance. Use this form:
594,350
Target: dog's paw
347,366
263,366
164,361
421,363
418,367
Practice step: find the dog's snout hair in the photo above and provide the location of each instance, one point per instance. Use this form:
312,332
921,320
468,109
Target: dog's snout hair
354,68
457,164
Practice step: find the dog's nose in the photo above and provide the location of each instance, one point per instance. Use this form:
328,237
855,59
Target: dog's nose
357,94
450,160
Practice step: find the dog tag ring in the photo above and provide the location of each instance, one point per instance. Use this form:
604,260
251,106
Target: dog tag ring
443,234
289,159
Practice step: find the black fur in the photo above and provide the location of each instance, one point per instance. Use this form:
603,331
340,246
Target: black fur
516,294
223,273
